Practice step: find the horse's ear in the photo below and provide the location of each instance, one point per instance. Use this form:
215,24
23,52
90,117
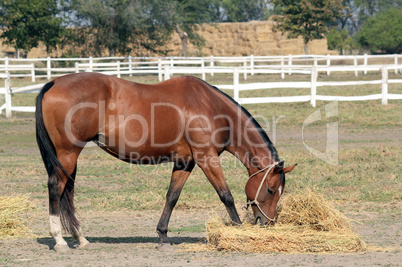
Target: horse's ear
279,166
289,168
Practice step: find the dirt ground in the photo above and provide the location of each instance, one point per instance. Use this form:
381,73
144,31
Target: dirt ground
129,238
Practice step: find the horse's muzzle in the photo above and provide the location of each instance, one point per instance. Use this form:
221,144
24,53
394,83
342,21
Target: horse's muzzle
263,221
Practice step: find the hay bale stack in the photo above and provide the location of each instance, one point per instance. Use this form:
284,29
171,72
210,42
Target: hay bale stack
11,222
307,223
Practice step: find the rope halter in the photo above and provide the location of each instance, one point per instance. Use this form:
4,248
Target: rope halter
255,201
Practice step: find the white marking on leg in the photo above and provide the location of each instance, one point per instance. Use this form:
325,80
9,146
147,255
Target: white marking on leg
280,190
55,230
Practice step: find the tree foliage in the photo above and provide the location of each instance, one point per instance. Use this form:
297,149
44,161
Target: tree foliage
244,10
308,18
383,33
340,40
366,9
27,22
187,16
121,25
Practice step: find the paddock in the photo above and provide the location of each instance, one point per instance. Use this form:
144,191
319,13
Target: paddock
119,209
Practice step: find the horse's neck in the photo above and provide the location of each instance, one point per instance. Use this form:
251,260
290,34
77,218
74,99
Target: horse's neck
250,148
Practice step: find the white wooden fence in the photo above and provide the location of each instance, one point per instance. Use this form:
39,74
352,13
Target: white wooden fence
313,84
50,67
237,86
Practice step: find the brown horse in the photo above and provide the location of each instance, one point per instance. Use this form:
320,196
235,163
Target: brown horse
183,120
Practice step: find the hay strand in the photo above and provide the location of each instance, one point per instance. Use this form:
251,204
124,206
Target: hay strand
11,210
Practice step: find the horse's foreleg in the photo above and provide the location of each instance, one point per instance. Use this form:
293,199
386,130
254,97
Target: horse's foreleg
210,165
181,171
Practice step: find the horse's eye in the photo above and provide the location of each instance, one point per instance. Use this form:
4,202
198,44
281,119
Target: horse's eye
270,191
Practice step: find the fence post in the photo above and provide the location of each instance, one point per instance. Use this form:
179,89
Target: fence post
328,64
252,64
6,65
384,81
160,69
365,64
48,66
236,84
211,65
245,68
167,72
33,72
90,64
282,70
130,66
313,86
396,62
290,64
118,69
355,64
76,67
7,87
203,69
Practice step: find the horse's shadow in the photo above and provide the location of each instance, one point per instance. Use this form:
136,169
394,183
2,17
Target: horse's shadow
49,241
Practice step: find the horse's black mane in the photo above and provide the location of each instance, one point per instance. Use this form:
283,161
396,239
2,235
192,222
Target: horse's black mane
262,132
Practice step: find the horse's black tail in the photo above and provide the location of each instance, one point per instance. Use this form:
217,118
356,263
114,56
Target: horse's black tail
53,166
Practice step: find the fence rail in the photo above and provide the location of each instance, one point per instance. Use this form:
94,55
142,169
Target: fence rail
313,84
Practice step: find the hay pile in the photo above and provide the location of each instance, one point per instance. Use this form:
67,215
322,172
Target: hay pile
11,216
307,223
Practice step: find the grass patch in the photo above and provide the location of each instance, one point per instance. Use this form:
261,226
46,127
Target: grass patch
198,228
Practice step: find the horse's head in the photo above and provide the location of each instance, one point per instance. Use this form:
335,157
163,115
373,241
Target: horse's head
264,190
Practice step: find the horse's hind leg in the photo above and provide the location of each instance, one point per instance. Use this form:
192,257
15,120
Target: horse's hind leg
181,171
76,232
61,206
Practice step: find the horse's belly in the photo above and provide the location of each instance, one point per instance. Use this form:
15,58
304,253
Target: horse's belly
134,150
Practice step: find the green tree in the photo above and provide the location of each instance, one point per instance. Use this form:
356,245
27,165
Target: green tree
187,15
120,25
383,32
308,18
244,10
361,10
25,23
366,9
340,40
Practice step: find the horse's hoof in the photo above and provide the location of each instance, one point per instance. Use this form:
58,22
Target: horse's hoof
83,244
61,248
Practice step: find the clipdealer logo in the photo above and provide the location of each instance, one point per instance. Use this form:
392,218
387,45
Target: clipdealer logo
330,155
